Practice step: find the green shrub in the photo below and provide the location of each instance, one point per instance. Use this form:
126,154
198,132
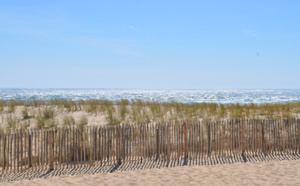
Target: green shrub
81,104
48,113
11,105
46,123
67,106
40,122
2,105
80,125
111,119
25,114
123,102
123,111
51,123
12,123
83,120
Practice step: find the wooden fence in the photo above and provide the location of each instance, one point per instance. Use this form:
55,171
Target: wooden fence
36,150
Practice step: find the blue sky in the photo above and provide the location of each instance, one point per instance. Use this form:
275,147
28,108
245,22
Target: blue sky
150,44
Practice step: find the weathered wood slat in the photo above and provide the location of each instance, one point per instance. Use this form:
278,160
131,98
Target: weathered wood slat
243,138
46,149
11,152
18,152
185,142
51,155
3,139
15,152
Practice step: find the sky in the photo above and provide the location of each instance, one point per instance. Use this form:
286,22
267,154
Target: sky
150,44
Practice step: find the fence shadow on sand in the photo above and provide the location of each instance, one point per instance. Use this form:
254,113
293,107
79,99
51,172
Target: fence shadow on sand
146,165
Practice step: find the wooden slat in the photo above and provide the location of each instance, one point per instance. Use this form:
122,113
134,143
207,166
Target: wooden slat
78,147
118,146
55,148
107,143
65,148
34,161
185,141
91,146
243,138
29,149
51,157
102,146
6,153
131,141
42,149
18,152
14,157
38,151
25,151
46,149
94,145
11,152
21,160
3,140
60,147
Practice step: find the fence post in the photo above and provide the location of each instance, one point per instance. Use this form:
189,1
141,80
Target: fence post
208,139
50,147
263,137
243,138
3,138
157,142
118,146
91,145
185,142
29,150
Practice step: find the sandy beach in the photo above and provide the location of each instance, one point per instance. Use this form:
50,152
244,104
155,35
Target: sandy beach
249,170
149,93
255,170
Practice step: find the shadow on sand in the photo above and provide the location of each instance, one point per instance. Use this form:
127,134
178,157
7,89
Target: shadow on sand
148,164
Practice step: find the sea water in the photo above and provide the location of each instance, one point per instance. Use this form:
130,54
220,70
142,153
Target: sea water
160,95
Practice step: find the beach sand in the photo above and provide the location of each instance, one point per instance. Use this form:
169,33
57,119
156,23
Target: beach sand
253,170
260,170
93,119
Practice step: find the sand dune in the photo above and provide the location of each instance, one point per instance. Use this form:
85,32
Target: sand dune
255,170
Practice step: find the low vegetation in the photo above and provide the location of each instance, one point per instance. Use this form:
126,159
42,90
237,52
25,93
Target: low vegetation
82,121
138,111
25,113
69,120
46,118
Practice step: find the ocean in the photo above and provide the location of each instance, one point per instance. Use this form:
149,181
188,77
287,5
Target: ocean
160,95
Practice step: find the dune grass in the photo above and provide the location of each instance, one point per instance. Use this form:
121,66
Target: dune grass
46,118
82,122
139,111
25,113
12,123
68,120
